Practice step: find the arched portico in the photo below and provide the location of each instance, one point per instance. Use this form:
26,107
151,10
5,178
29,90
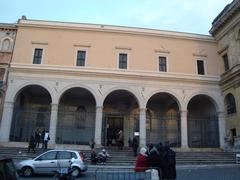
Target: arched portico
163,119
76,116
202,120
32,110
120,112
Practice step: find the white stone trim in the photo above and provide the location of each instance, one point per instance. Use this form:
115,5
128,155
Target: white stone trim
109,28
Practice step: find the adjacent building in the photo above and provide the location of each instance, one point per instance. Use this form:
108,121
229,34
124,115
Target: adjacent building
7,38
226,31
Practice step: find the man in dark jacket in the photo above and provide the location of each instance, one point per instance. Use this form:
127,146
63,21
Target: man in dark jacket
31,144
169,164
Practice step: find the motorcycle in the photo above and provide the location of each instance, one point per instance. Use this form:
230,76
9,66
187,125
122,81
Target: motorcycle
64,173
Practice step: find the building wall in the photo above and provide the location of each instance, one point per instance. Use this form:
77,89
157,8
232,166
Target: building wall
61,45
226,31
101,76
7,38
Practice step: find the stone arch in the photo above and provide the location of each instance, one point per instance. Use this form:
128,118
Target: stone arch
171,93
164,122
203,123
76,116
133,92
216,101
120,112
92,91
32,112
13,95
6,44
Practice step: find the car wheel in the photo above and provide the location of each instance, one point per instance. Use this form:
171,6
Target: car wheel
75,171
27,171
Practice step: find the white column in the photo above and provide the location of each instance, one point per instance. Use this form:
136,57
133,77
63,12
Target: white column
184,132
222,128
53,123
142,127
98,125
6,121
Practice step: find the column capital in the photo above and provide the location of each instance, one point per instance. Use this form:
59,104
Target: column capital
99,107
54,107
8,104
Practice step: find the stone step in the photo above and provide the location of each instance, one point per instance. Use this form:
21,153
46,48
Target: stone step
125,157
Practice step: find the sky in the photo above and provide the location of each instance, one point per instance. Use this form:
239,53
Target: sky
193,16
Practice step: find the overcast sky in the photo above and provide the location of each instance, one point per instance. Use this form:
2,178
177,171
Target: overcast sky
194,16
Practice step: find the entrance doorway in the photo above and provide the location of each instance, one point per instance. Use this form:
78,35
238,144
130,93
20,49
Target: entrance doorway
112,125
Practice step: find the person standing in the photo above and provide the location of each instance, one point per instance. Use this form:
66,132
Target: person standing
142,162
154,160
92,144
169,166
135,145
31,144
42,137
46,139
37,137
120,140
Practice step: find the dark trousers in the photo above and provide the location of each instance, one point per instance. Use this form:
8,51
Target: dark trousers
31,147
45,144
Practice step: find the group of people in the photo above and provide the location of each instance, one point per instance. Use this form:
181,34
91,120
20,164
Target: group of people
100,157
39,137
161,158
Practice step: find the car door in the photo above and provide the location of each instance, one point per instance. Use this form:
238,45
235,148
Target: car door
63,158
46,163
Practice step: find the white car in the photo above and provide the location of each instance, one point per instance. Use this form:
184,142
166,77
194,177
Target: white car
51,161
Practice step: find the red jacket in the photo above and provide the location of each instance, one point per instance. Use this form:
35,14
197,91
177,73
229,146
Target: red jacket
141,163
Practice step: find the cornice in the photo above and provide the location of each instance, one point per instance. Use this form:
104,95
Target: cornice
113,29
231,75
110,73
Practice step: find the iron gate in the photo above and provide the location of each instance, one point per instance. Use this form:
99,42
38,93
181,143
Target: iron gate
26,122
203,132
165,129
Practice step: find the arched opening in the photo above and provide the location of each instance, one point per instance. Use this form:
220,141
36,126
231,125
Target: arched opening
76,117
120,112
32,110
6,45
163,120
202,123
230,104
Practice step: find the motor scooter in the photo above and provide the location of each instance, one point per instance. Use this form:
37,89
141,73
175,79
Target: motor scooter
64,173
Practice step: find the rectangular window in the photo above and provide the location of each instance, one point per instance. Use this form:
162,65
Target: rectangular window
162,64
122,61
37,58
200,67
81,57
225,61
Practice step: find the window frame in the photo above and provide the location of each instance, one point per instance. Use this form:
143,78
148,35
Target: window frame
224,62
33,55
158,63
204,66
76,58
229,106
118,60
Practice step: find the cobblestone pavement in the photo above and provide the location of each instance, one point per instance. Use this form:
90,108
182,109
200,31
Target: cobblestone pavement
206,172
